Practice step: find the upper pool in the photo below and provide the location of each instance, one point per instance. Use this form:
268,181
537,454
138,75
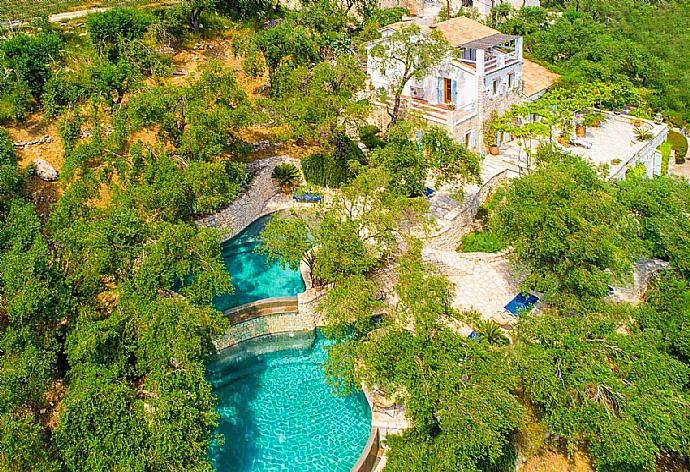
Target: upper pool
277,413
253,277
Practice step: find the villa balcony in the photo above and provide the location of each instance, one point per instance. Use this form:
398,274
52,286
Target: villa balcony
447,116
492,62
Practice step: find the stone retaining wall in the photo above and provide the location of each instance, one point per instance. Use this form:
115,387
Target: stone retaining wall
261,197
367,460
269,316
449,237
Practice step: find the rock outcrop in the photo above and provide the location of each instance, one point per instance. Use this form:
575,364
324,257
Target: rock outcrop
44,170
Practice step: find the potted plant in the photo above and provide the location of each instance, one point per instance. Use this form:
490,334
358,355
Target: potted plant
593,119
580,130
642,134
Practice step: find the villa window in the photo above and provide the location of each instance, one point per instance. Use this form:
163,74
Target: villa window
469,139
511,80
495,87
447,91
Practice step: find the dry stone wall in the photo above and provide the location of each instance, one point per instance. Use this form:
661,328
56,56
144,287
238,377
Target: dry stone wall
459,222
261,197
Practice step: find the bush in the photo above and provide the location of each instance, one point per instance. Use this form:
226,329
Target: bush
369,136
334,170
481,241
680,145
665,150
286,175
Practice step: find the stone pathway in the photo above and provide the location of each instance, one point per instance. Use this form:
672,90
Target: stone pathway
483,282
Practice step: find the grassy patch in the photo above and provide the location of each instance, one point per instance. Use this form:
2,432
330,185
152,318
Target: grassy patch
481,241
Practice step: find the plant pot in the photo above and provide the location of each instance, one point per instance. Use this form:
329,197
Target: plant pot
580,131
637,123
493,150
597,123
563,140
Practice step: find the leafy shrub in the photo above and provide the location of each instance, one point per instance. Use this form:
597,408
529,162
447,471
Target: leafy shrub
286,175
28,57
680,145
481,241
7,154
369,136
665,150
334,170
110,29
642,134
491,333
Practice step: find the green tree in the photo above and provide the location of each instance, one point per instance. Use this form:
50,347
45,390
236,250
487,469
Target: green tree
569,233
404,55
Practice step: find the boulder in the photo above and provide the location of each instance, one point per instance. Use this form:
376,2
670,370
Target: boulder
45,171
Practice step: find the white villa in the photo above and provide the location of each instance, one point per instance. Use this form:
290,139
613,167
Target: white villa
482,7
460,95
489,76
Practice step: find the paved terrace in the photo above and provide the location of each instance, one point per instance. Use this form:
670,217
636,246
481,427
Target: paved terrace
613,144
615,141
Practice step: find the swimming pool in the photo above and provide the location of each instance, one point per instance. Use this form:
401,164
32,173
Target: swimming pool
277,412
253,277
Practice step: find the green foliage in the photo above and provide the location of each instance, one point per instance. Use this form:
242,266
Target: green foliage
679,144
616,395
369,135
200,120
335,169
10,180
348,243
667,310
286,175
287,42
660,205
617,42
665,150
319,104
491,333
110,30
457,392
419,57
481,241
409,161
28,58
567,230
22,445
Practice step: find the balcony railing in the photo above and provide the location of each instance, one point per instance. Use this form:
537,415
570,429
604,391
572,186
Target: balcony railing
499,61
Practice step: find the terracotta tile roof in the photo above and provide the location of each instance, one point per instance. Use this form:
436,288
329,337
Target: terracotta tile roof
457,31
536,78
462,30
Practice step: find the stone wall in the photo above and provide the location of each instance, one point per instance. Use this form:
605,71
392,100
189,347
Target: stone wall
459,223
269,316
261,197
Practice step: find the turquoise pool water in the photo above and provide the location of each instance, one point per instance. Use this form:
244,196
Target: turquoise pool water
278,414
253,277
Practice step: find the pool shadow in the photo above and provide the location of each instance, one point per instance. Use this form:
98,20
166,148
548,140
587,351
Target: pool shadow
236,424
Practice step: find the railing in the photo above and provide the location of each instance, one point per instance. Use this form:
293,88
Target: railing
499,61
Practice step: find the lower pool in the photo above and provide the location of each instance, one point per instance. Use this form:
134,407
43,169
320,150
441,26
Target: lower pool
253,277
277,412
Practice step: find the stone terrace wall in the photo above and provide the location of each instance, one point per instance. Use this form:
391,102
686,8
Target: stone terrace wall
261,197
269,316
449,236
